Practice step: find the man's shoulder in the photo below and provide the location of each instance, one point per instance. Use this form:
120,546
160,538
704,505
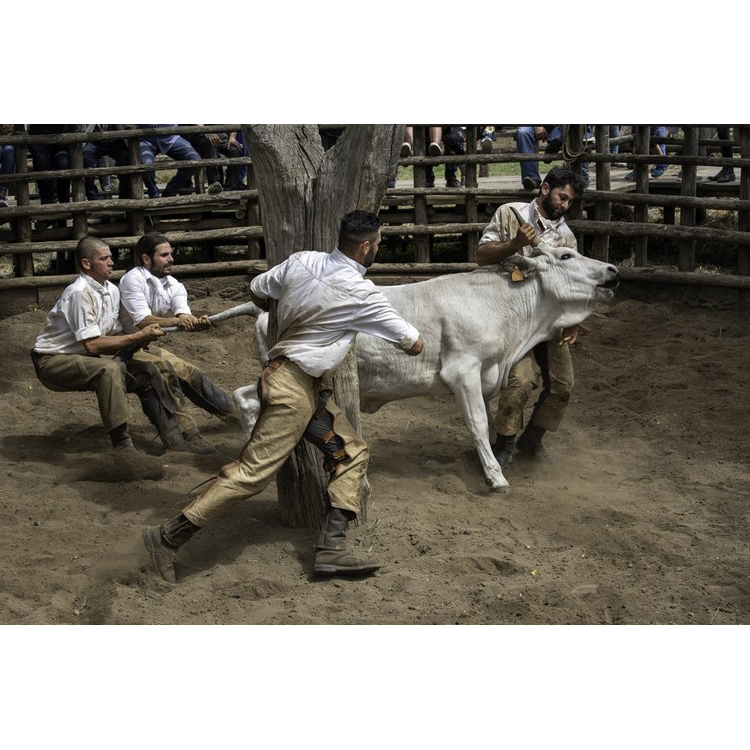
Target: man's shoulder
134,277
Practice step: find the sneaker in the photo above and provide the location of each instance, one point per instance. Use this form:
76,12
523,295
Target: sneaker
454,184
435,149
405,150
529,183
3,203
214,188
659,170
629,176
392,182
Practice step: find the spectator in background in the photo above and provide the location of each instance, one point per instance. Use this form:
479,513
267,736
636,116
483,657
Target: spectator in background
527,142
94,153
725,174
173,146
241,174
452,138
46,157
658,149
7,163
209,146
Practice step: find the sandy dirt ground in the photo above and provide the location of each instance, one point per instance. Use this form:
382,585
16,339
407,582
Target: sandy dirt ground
642,517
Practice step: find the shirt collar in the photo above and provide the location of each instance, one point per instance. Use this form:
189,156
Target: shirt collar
150,278
539,222
339,257
96,286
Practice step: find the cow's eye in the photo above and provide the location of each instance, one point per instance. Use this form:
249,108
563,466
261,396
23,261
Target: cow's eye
566,256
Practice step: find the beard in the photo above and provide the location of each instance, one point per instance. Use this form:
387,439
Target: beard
552,211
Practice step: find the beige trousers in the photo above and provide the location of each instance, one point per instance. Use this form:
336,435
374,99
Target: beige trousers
76,372
556,374
290,400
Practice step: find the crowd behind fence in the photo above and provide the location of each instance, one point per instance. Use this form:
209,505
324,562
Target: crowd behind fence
198,218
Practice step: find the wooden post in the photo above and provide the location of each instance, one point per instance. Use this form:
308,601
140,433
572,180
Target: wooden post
471,239
575,145
80,219
138,216
640,213
23,264
743,217
602,211
687,214
252,215
421,241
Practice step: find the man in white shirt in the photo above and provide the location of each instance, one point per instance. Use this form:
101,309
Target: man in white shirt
549,363
323,302
70,352
150,294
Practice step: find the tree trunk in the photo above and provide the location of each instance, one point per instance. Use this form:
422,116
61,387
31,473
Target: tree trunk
303,192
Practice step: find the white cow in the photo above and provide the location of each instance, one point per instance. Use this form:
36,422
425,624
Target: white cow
475,326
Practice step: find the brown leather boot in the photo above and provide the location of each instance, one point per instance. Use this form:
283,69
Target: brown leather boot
332,556
163,541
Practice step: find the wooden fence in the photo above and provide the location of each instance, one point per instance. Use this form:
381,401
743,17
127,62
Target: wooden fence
29,230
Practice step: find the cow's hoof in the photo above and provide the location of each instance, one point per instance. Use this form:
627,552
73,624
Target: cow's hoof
501,488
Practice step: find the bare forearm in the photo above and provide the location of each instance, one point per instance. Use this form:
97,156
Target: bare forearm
163,322
113,344
489,253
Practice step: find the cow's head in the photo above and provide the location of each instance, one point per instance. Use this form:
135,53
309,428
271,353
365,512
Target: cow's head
567,276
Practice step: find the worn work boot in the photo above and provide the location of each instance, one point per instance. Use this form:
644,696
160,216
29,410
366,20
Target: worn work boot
332,556
209,397
530,443
175,442
163,541
503,449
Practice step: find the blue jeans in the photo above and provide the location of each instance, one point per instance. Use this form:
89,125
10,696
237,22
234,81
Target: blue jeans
659,131
180,150
526,143
7,164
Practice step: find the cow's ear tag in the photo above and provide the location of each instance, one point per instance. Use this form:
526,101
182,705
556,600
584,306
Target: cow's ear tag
516,275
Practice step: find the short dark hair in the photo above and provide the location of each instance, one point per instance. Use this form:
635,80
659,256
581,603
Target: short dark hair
87,246
147,245
356,227
558,177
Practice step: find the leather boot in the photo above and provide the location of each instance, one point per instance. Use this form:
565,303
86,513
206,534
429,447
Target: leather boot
163,541
332,556
165,422
503,449
530,443
206,394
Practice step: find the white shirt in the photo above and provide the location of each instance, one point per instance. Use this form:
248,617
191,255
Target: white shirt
324,301
85,310
504,226
143,294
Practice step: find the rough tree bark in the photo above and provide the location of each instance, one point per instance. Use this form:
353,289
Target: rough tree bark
303,191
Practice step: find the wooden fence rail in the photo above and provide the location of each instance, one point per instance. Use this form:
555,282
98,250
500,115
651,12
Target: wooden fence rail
29,230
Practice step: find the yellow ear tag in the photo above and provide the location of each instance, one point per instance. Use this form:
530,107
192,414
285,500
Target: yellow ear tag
516,275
